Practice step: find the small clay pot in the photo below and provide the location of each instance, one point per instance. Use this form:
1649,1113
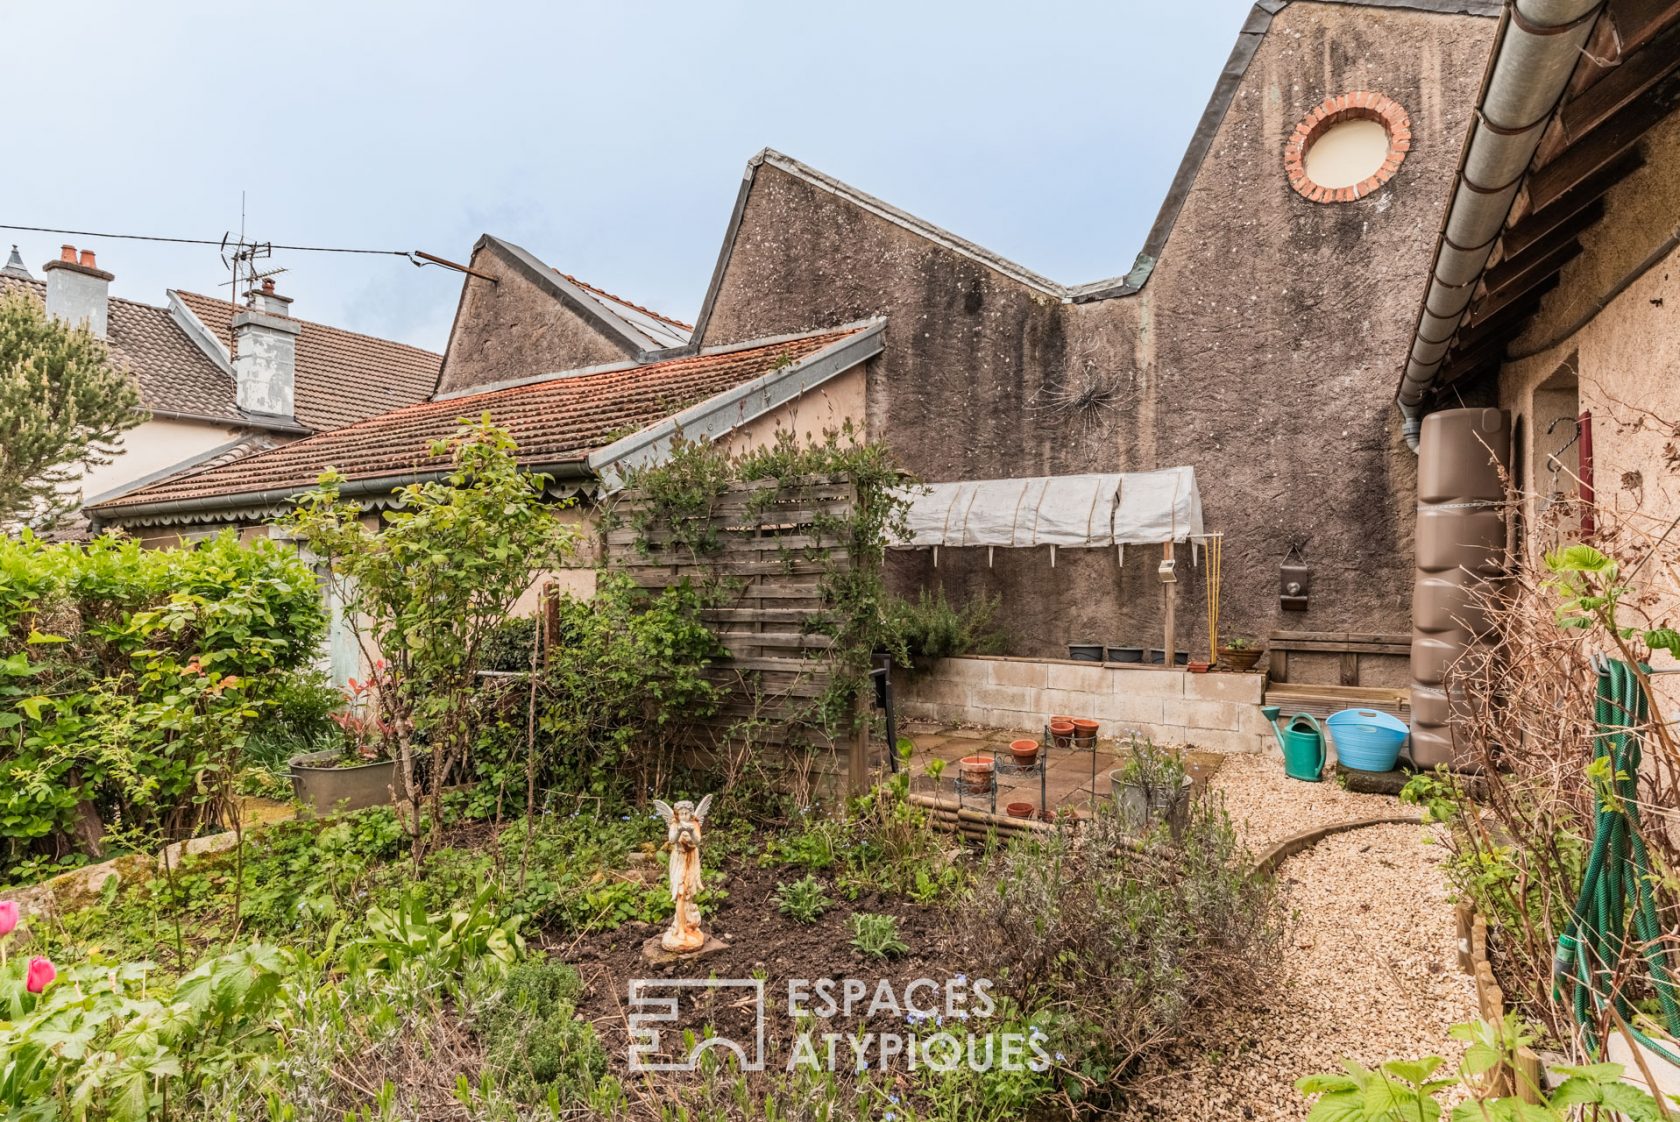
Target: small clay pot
976,772
1061,732
1019,810
1025,752
1084,732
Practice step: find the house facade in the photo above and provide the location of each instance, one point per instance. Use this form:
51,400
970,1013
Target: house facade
220,380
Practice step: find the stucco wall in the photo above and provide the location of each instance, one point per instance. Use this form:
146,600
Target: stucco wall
829,408
516,329
1626,361
1263,351
153,446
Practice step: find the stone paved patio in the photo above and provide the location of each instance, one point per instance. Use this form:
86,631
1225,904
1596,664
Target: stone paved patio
1068,776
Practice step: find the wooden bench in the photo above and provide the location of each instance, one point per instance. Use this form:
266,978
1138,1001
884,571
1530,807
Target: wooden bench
1349,645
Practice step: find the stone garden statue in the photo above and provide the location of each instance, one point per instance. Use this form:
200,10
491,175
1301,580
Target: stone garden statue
682,831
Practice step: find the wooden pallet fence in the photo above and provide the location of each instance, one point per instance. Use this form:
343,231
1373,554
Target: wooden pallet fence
773,555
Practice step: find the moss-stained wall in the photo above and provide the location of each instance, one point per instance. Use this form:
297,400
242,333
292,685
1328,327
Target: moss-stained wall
1263,351
516,328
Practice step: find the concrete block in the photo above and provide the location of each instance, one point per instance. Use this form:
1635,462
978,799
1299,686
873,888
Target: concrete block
1073,703
1010,719
1092,678
1246,688
1147,683
1030,674
965,669
1016,699
1132,709
1221,715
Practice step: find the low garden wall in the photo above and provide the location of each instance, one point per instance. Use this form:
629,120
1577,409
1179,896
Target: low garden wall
1216,712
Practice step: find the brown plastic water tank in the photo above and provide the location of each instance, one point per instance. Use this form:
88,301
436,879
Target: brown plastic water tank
1460,558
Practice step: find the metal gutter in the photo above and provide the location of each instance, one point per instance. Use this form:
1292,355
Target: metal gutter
1535,52
723,413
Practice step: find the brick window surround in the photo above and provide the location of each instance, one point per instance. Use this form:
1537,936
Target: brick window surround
1359,105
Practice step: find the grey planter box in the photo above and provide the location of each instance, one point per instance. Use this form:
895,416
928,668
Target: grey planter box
329,789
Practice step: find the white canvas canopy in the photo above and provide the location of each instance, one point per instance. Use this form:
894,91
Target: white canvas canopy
1119,508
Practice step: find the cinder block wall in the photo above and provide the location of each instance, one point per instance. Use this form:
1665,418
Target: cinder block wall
1216,712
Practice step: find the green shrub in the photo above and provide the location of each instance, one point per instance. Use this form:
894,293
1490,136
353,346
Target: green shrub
508,645
298,720
1135,938
802,900
931,628
131,679
540,1048
876,935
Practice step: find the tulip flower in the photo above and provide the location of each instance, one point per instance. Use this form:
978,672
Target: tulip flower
8,917
41,974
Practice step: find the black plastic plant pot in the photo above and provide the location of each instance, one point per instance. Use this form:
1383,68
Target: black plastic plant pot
1157,654
1085,652
1125,654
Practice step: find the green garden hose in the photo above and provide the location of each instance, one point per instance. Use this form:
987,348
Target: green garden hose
1616,888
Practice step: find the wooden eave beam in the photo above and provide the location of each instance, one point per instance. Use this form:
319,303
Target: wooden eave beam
1527,221
1492,307
1501,323
1549,229
1604,144
1517,277
1640,71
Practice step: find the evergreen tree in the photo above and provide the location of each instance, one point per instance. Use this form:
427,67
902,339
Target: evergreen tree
63,405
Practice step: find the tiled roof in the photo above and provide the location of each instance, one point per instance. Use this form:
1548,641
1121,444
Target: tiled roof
174,375
342,377
557,420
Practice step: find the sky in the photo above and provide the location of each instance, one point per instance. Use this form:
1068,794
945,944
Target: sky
607,138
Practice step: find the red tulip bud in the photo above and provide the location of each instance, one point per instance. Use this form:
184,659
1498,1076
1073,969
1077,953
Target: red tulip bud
41,974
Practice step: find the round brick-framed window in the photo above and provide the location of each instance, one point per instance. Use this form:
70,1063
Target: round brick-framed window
1347,147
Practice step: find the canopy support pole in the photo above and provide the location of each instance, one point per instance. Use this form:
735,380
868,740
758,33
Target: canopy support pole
1169,589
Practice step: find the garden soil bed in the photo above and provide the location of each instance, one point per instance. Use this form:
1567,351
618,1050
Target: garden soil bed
763,943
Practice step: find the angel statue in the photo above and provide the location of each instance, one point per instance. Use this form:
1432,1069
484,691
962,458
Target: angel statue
682,831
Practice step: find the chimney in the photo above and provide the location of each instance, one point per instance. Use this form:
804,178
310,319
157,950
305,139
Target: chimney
265,353
78,291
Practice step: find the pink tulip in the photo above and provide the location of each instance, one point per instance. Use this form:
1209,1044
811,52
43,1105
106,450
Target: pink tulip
41,974
8,917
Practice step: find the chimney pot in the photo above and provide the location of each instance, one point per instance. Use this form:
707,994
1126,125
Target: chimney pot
87,260
78,291
268,284
67,253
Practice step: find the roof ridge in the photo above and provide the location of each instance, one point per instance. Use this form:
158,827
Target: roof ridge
646,311
237,307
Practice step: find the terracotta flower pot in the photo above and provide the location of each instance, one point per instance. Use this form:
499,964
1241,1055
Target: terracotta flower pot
1084,732
976,772
1019,810
1025,752
1061,732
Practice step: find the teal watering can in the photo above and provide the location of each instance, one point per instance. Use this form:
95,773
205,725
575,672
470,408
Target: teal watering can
1302,741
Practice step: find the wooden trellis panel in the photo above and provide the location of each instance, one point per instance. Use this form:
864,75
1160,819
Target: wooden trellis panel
772,559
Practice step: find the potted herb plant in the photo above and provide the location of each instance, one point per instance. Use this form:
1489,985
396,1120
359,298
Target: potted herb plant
1239,652
363,771
1151,787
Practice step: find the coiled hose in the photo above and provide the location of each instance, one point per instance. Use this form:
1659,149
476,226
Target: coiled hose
1616,887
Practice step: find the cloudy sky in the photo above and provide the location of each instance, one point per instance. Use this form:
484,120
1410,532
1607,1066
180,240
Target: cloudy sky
607,138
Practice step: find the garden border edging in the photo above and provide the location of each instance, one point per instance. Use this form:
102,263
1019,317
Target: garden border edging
1280,851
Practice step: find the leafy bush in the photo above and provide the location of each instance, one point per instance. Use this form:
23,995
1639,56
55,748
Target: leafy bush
802,900
534,1038
931,628
876,935
480,535
130,680
1136,938
299,720
508,645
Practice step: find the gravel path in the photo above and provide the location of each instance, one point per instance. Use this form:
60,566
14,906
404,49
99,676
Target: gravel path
1370,971
1269,806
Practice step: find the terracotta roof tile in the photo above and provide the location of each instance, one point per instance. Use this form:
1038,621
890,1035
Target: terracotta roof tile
342,377
561,419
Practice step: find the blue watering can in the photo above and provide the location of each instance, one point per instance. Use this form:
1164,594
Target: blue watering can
1302,741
